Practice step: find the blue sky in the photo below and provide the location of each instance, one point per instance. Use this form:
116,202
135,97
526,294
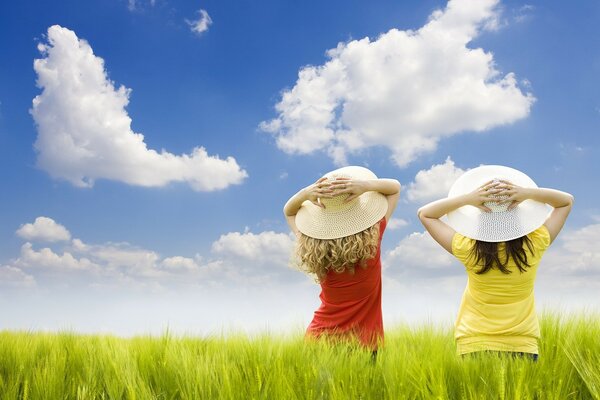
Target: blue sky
103,230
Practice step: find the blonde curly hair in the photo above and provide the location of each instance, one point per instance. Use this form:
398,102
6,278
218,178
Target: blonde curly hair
319,256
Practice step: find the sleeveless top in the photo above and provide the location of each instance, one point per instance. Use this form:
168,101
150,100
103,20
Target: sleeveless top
497,311
351,303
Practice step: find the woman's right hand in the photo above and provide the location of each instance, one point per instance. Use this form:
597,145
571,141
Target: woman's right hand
516,194
487,192
321,188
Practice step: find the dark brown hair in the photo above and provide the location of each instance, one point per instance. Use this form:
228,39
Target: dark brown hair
486,254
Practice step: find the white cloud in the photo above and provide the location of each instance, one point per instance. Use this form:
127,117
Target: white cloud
433,183
240,258
179,263
84,131
264,247
44,229
201,24
406,90
419,256
46,259
576,252
523,13
134,5
12,277
396,223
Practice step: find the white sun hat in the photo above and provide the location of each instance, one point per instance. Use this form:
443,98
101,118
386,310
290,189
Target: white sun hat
501,224
339,219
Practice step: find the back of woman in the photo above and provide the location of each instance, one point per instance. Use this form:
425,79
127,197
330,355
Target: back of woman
339,222
499,225
351,301
497,303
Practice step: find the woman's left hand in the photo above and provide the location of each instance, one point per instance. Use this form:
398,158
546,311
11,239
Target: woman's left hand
353,187
516,194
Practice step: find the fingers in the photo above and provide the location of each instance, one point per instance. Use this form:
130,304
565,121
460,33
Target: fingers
322,184
318,203
325,194
351,197
490,187
509,199
514,204
484,208
341,182
342,185
487,183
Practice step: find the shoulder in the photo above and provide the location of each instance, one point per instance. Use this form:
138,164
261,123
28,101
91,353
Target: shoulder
540,238
462,246
382,224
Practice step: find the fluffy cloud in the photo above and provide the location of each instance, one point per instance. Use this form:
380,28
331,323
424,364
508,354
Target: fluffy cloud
433,183
265,246
84,131
179,263
419,256
12,277
240,258
396,223
575,253
46,259
406,90
201,24
44,229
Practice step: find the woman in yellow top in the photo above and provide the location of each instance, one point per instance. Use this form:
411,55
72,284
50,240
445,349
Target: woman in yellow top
499,225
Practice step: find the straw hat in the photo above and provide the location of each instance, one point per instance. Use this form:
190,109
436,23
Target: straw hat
500,224
339,219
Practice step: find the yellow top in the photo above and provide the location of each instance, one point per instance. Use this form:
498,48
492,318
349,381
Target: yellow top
497,311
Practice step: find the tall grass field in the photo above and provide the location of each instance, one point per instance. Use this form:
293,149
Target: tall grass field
415,363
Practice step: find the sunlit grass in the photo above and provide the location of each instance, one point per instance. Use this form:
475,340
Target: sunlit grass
415,363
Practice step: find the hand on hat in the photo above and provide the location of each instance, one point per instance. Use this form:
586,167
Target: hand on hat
352,187
319,189
516,194
486,193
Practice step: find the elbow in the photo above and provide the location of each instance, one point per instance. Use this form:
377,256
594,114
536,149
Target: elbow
571,200
420,214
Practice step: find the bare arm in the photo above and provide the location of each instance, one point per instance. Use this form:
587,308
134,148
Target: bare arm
561,201
430,214
320,188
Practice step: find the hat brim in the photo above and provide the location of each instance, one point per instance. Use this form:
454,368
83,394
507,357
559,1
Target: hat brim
496,226
351,218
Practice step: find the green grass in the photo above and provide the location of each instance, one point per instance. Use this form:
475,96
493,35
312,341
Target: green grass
416,363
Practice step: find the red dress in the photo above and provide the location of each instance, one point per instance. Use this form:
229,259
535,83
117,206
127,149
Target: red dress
351,303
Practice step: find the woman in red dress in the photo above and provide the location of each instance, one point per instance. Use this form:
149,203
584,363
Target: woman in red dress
339,222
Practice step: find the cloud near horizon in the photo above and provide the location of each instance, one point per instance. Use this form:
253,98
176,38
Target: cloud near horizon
84,130
244,258
44,229
405,90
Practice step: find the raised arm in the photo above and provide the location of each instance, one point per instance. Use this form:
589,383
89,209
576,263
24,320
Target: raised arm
561,201
319,189
390,188
431,213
